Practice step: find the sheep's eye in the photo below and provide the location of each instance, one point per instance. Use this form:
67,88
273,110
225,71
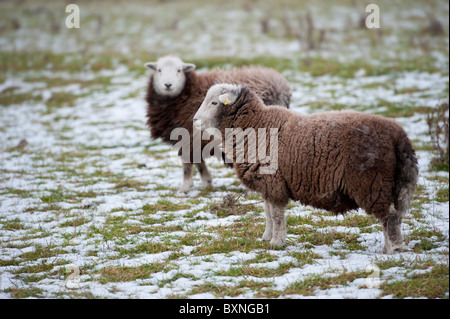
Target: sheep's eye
214,103
159,70
179,71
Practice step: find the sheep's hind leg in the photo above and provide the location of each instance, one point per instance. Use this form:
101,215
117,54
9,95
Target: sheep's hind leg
204,174
268,232
187,178
279,226
392,231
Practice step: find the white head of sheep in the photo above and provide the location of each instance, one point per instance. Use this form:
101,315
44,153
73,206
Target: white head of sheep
219,95
170,77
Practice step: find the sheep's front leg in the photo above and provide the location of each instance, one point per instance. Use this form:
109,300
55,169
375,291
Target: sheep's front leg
204,174
187,178
279,225
268,232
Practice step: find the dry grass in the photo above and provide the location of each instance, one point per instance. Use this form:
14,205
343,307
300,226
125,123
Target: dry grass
438,128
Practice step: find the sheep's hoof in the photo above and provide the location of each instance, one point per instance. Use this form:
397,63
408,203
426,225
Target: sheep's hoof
267,235
392,250
277,242
185,188
207,183
398,248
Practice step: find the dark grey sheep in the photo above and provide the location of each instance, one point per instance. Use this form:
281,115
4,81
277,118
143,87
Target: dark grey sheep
175,92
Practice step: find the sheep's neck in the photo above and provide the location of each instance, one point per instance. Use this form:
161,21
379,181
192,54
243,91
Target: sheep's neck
246,116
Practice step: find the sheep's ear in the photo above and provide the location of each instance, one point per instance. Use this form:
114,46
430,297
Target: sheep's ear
150,65
188,67
224,99
230,97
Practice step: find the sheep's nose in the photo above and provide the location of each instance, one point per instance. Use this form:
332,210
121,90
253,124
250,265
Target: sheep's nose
168,85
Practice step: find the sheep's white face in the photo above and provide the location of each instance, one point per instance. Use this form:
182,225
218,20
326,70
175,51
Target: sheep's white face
169,77
219,95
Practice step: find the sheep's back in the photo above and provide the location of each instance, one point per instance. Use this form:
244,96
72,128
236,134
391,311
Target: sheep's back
266,83
340,160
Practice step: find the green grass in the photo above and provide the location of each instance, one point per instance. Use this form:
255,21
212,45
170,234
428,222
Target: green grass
121,274
74,222
72,63
126,184
311,285
228,244
442,195
400,109
431,284
428,239
259,272
163,205
64,195
311,237
231,205
305,257
148,248
217,290
307,286
14,224
9,98
319,66
316,66
39,252
19,293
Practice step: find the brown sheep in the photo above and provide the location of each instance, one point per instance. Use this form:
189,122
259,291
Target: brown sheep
175,92
336,161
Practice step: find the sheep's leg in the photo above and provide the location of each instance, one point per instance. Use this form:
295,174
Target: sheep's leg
392,231
187,178
268,232
279,226
204,174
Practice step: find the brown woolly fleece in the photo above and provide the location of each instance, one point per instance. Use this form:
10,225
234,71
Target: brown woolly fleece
165,114
337,161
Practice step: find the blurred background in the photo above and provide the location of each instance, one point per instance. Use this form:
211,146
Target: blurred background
299,33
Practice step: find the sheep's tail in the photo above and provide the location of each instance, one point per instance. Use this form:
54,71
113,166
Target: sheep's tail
286,98
282,99
406,175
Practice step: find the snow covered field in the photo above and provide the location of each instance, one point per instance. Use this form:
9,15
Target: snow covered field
89,206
